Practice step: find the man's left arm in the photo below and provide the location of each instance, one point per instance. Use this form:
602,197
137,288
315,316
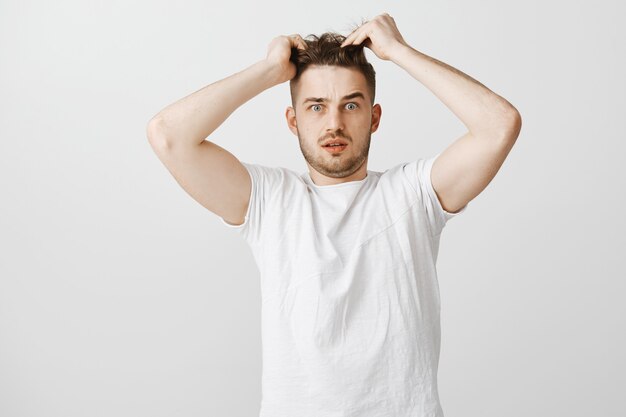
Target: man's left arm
465,168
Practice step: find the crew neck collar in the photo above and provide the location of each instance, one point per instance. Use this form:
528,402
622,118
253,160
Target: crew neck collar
309,180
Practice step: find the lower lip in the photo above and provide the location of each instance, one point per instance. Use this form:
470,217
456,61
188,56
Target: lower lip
335,149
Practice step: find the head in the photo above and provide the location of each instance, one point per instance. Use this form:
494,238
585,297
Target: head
332,96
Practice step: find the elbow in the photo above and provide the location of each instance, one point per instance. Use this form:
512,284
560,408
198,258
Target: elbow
511,124
514,126
155,134
154,128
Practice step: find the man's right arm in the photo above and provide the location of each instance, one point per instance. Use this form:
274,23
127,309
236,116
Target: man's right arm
190,120
209,173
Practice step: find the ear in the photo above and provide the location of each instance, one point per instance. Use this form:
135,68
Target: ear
290,115
377,111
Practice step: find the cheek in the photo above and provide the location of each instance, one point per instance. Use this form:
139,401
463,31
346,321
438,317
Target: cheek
309,130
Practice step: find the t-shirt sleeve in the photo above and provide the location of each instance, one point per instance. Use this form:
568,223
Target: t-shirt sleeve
418,173
261,178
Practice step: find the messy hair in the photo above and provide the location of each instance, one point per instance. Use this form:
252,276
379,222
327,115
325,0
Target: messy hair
326,50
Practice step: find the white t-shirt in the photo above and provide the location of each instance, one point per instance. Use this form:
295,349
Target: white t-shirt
350,297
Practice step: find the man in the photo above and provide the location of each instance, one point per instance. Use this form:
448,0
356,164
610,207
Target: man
347,256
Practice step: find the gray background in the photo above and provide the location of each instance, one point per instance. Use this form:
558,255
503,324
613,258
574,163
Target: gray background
120,295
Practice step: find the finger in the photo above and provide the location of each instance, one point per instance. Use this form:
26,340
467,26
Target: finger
356,33
351,36
364,35
297,41
347,40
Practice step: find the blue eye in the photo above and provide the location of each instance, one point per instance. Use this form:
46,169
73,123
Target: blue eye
319,105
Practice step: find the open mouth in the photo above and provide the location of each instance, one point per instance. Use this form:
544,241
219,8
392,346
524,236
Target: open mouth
335,148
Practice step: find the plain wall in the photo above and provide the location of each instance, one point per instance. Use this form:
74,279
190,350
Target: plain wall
121,295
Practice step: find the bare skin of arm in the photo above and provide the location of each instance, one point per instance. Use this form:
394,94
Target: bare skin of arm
464,168
207,172
469,164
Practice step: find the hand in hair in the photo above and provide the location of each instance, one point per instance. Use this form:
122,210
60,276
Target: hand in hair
279,53
380,34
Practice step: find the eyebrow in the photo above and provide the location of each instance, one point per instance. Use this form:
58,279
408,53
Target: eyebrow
321,99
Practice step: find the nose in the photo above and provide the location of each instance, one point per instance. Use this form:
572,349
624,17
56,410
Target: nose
335,120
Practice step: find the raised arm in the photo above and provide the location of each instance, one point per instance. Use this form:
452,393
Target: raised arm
207,172
465,167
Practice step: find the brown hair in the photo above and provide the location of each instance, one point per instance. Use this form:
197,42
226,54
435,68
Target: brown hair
326,50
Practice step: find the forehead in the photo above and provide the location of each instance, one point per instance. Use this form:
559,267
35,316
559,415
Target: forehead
331,82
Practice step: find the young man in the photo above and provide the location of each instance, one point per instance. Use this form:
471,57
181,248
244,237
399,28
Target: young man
347,256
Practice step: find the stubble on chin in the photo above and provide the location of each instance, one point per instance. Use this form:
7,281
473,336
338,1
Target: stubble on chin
335,166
